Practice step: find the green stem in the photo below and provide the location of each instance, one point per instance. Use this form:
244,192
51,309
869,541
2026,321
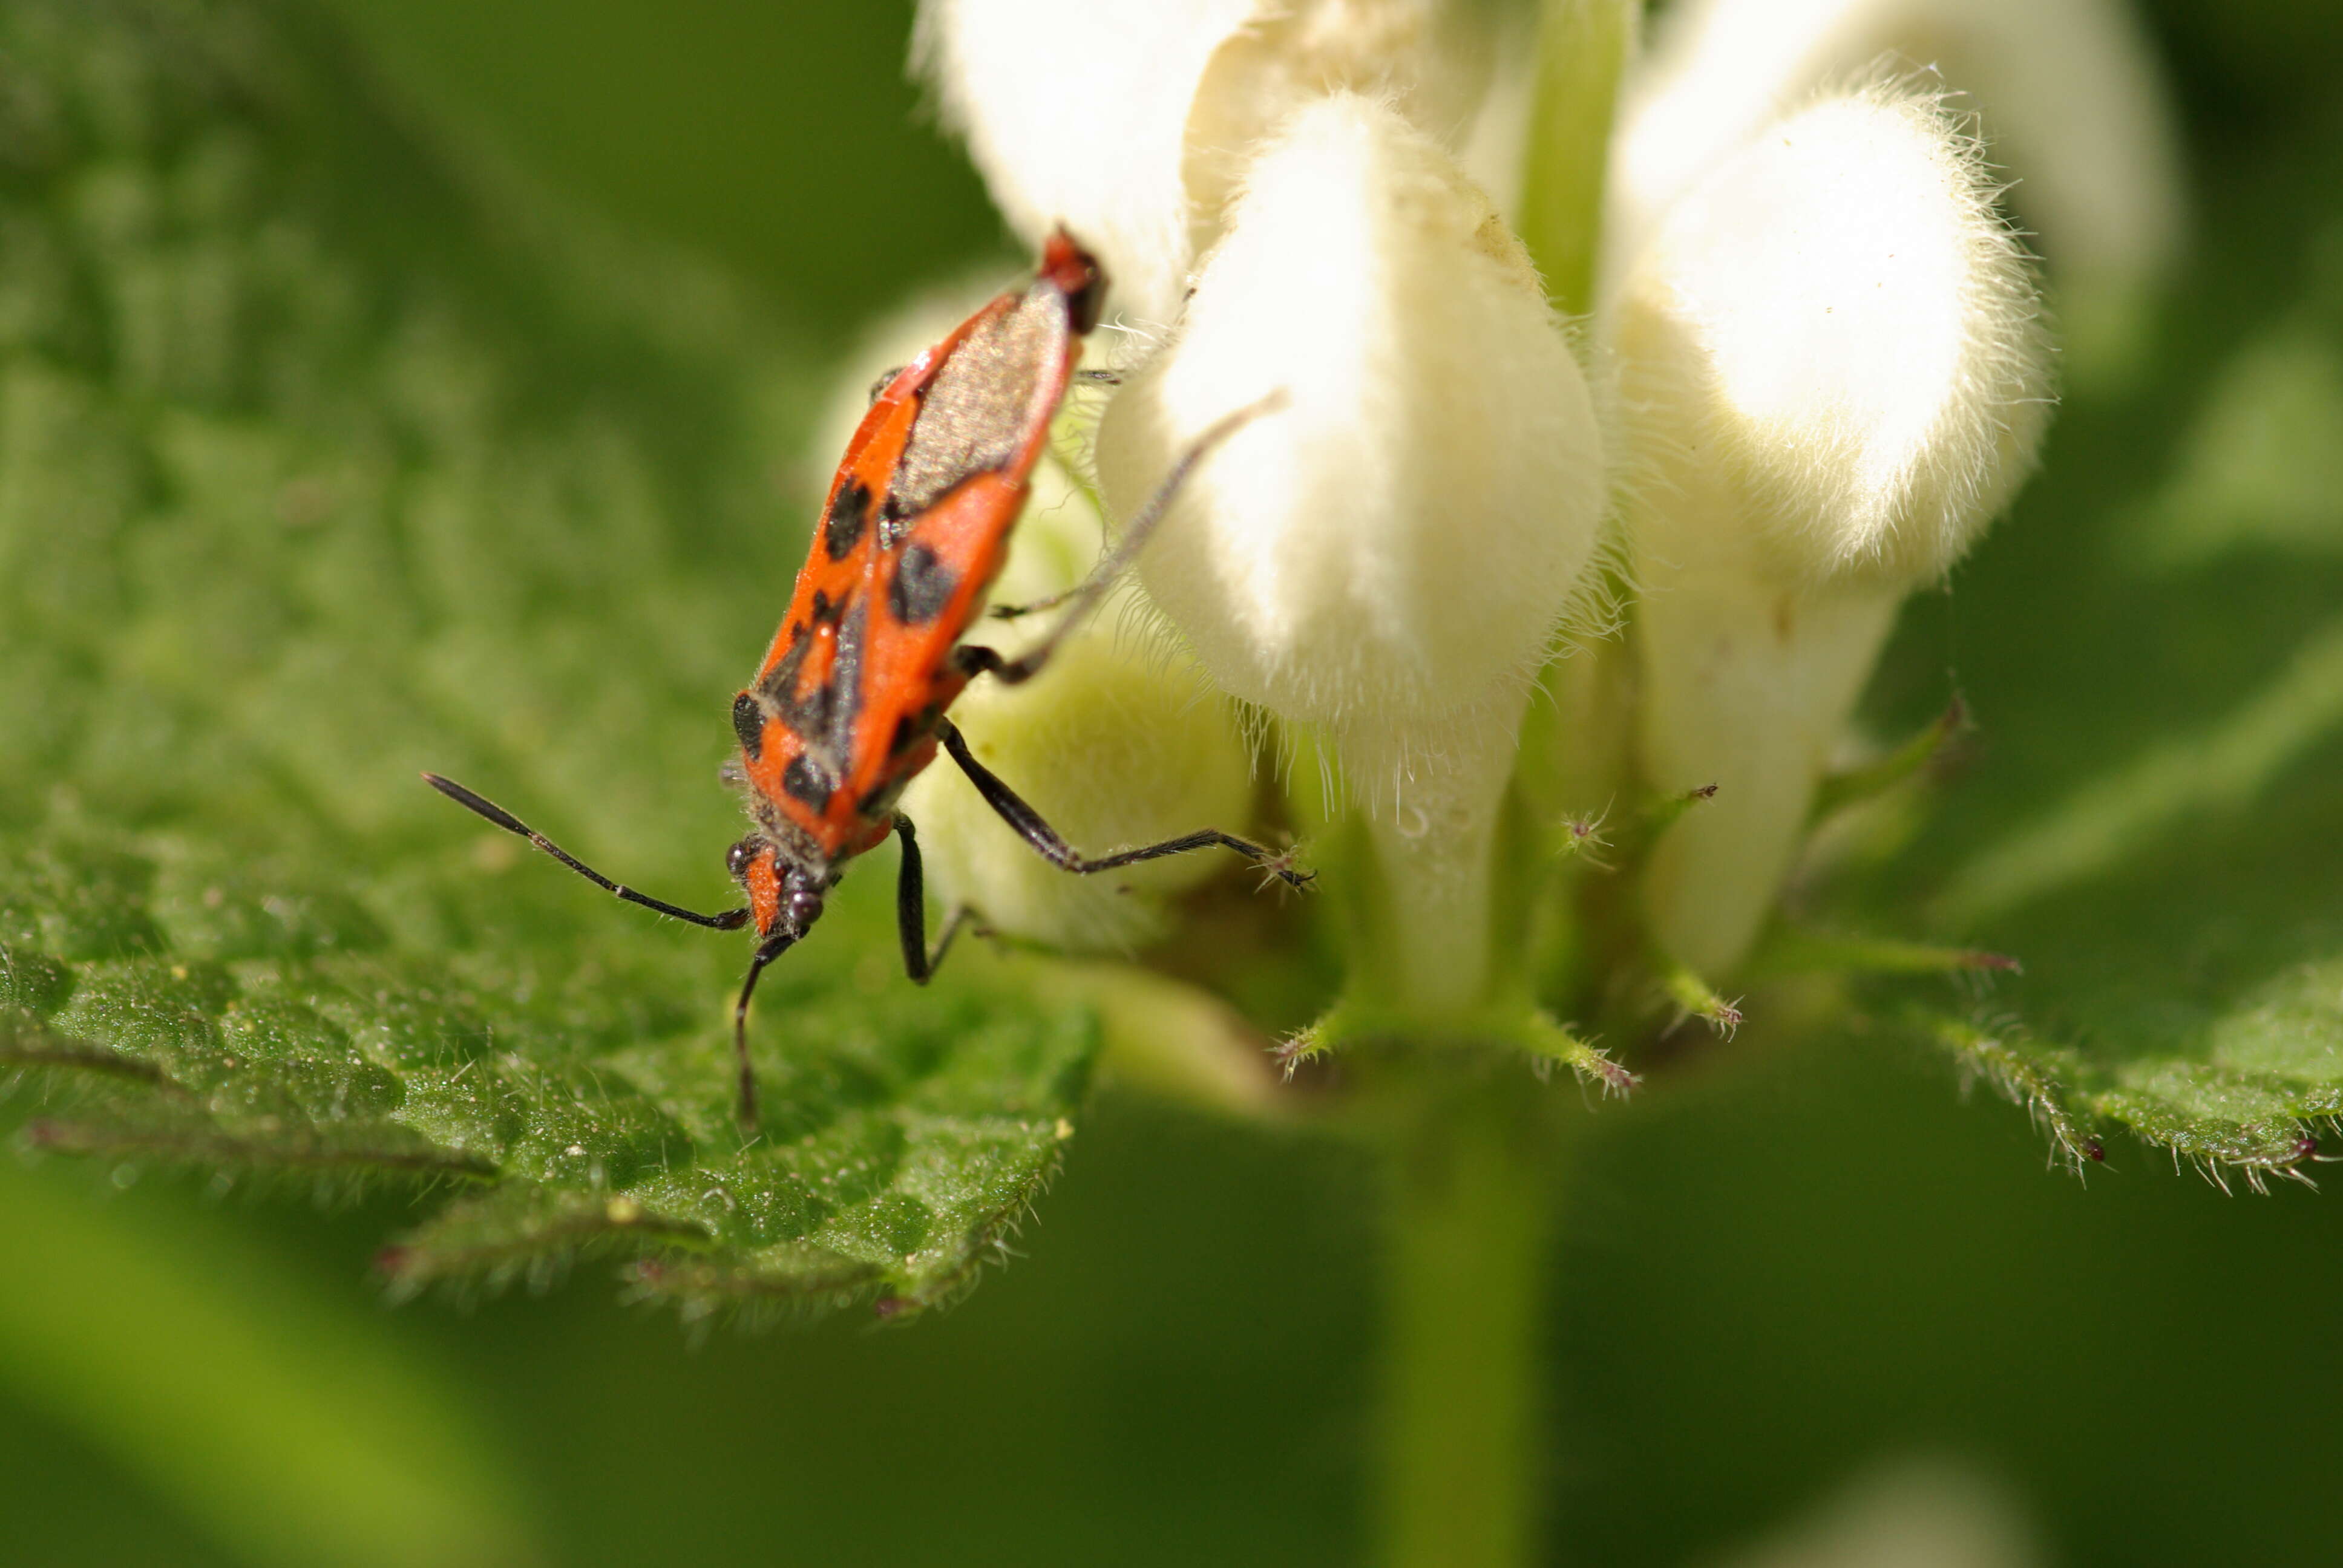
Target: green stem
1583,48
1462,1440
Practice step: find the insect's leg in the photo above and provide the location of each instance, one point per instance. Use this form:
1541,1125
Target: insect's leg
1064,856
1085,596
729,920
773,947
1036,605
912,910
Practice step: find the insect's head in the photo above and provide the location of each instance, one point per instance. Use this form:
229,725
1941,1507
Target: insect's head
784,895
1078,277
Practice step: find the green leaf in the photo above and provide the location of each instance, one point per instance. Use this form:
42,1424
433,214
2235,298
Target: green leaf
322,464
2176,921
2150,824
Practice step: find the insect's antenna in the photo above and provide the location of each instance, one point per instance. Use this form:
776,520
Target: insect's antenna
773,947
729,920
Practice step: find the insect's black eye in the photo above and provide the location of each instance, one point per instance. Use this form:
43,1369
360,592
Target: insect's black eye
804,910
884,377
742,856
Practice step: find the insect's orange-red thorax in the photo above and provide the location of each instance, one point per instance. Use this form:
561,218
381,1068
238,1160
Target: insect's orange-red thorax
843,711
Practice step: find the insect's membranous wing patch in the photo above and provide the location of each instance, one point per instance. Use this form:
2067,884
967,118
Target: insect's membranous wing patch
976,415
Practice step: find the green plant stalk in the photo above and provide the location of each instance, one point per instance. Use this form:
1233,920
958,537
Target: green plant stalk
1583,48
1471,1178
1468,1216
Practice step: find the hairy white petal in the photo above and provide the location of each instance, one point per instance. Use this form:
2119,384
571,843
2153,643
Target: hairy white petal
1405,531
1385,555
2069,92
1132,121
1076,112
1830,377
1428,59
1433,794
1747,685
1838,320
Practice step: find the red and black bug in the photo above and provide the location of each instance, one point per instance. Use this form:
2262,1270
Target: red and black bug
849,702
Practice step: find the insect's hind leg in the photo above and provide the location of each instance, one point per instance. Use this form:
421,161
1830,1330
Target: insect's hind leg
1013,810
920,961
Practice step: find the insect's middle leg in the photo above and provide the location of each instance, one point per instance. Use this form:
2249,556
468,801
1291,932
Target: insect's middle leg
920,961
1013,810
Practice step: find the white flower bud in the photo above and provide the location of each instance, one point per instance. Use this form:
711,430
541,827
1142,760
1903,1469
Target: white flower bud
2069,92
1130,121
1840,323
1428,59
1386,556
1406,528
1832,376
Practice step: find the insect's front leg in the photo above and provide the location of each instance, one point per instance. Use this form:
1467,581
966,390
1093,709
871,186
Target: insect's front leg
912,910
1013,810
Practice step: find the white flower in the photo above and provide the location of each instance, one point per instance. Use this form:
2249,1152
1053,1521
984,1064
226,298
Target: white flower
1130,121
1386,557
1404,531
1832,376
1816,339
2067,92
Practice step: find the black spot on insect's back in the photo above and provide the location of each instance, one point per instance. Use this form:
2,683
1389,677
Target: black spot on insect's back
923,585
849,515
748,723
809,781
779,686
824,610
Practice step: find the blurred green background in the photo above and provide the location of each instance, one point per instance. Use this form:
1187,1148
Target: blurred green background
1796,1262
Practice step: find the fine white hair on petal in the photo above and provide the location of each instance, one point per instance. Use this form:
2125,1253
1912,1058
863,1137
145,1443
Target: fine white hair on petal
1831,376
1838,317
1076,112
1132,121
1428,59
1409,527
2068,91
